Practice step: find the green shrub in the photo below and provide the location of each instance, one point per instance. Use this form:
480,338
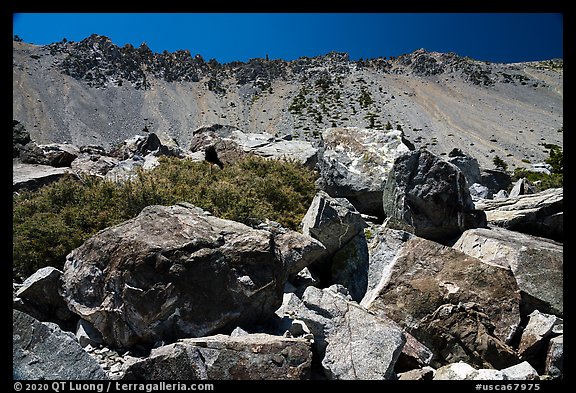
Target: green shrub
541,181
51,222
499,163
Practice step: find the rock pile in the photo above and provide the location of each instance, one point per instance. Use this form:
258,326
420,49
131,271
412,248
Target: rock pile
445,288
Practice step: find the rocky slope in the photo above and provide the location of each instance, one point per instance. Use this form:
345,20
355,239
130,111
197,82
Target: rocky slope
94,92
447,287
412,261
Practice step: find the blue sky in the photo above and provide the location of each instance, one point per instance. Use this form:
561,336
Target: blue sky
226,37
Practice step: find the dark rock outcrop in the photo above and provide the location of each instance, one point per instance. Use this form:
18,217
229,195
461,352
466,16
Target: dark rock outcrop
174,272
428,196
20,137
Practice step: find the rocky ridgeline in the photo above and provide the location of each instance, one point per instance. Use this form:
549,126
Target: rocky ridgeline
99,62
400,271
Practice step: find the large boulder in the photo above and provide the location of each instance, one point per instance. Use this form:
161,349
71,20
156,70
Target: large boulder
336,224
230,144
53,154
174,272
221,357
539,214
351,342
472,307
537,264
44,352
354,163
429,197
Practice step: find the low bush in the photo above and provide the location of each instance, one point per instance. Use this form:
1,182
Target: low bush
51,222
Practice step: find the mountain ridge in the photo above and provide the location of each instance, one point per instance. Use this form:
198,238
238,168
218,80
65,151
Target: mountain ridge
94,92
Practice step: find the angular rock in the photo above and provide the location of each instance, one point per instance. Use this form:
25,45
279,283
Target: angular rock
173,272
143,145
502,194
53,154
296,250
427,270
128,169
414,355
467,164
495,180
383,246
464,333
86,334
41,297
351,342
521,371
42,352
535,214
340,228
535,334
429,196
231,144
354,164
522,187
478,191
427,279
555,357
419,374
220,357
32,176
537,264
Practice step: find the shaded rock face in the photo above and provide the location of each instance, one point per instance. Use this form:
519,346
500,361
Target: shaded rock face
429,195
351,342
539,214
44,352
537,264
336,224
354,164
173,272
467,164
495,180
20,137
434,288
220,357
39,297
